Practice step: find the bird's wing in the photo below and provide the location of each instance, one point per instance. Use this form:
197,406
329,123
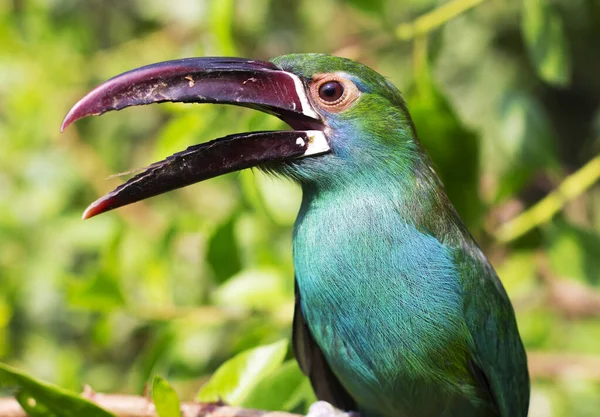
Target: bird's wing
499,363
314,365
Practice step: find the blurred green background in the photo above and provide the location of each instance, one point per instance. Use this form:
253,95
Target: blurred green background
505,98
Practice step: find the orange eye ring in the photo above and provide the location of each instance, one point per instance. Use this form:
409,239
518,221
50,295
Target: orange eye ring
333,92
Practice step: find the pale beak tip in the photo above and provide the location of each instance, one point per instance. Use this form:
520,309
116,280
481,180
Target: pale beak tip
97,207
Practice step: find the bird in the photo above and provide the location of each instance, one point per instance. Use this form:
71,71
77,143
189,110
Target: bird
398,313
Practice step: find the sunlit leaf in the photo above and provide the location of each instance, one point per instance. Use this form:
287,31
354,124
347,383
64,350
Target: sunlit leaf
165,398
237,377
278,391
43,399
546,42
253,289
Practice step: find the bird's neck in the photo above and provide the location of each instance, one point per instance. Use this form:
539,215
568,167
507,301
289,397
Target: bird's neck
409,190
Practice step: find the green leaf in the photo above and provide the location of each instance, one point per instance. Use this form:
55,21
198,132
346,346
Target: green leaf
278,390
237,377
526,143
302,398
223,252
574,252
42,399
368,6
165,398
101,293
281,198
518,273
180,132
221,23
453,148
536,328
544,36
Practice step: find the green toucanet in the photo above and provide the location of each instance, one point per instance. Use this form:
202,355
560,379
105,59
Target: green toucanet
398,312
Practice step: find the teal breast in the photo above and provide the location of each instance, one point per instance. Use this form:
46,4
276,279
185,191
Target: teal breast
383,302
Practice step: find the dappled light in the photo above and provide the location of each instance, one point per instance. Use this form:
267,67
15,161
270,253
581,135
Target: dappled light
197,285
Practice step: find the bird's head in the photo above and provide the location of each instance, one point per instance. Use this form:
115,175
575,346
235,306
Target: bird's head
364,118
348,122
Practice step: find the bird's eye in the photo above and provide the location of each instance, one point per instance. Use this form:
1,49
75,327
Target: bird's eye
331,91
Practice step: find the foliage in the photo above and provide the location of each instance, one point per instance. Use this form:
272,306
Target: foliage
165,398
505,97
40,399
236,378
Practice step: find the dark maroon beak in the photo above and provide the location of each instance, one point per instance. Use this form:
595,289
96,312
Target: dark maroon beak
255,84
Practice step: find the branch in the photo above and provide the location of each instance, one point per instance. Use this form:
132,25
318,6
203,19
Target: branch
138,406
542,365
571,187
434,19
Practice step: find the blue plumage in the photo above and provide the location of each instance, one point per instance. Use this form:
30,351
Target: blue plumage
399,313
385,301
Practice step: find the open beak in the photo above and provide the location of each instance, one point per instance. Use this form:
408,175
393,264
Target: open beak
255,84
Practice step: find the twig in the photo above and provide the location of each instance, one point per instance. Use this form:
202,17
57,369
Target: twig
571,187
434,19
420,59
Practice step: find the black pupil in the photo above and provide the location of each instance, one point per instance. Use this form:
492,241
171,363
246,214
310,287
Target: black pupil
331,91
